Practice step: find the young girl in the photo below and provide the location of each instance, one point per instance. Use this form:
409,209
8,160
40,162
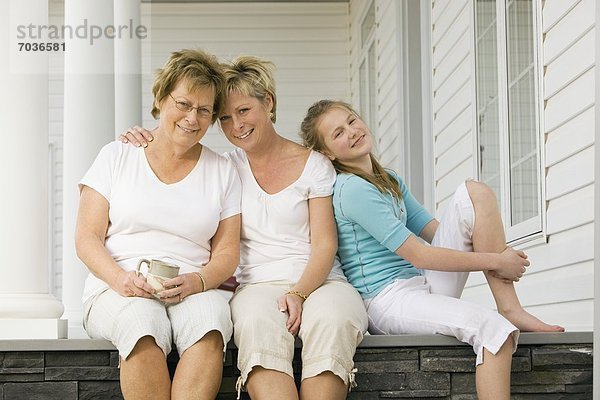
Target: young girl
406,285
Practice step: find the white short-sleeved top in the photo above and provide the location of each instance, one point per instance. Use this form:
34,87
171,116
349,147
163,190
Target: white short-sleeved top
275,241
151,219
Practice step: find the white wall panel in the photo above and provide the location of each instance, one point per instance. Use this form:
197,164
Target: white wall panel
460,77
447,114
562,71
570,102
561,143
555,10
456,33
454,131
452,11
571,210
455,155
569,29
571,174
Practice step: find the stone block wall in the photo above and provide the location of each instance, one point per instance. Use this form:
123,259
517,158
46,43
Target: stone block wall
549,372
540,371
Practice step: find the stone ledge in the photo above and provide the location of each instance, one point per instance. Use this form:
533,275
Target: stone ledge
370,341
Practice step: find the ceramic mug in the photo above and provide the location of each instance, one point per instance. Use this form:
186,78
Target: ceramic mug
158,272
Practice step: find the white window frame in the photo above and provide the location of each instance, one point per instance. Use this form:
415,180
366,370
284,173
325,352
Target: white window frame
367,88
531,231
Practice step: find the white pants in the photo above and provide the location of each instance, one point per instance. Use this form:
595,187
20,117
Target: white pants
125,320
333,323
430,304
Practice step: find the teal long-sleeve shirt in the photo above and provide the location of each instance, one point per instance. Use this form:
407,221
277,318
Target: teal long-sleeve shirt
371,227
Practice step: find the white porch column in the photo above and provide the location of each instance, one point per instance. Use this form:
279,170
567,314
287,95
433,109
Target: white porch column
27,309
88,125
128,65
596,374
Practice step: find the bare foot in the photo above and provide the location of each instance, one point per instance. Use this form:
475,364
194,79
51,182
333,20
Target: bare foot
528,323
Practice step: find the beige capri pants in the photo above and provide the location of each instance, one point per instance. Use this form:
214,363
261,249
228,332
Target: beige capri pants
334,321
125,320
430,304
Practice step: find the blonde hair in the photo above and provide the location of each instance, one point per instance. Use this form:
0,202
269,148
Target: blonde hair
198,68
252,76
381,179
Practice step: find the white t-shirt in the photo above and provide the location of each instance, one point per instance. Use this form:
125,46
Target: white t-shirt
151,219
275,241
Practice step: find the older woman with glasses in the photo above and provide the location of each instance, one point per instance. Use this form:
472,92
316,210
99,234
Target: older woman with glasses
176,201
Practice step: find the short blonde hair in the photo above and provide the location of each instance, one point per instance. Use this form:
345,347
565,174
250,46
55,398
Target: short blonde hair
252,76
199,69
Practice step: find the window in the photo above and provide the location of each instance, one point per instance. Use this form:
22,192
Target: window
366,69
508,114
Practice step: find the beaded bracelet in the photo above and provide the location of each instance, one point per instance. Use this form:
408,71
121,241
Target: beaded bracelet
297,293
203,281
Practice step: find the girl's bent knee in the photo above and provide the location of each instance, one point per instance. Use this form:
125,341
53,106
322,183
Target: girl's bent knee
479,190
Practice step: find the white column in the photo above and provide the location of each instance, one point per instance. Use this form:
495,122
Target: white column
27,309
128,64
596,358
88,125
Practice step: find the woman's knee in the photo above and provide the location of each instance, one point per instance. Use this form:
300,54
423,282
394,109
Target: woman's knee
213,341
146,346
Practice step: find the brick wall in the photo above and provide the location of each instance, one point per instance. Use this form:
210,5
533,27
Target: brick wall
540,371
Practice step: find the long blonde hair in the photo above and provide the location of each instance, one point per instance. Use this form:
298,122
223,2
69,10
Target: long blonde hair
381,178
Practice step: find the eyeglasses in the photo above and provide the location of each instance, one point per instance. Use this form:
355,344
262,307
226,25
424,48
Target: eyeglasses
202,112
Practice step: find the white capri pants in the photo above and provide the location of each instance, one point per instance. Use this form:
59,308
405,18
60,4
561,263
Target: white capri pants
125,320
333,323
430,304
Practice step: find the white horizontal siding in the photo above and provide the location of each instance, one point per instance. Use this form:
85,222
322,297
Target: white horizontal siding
561,143
447,114
561,178
563,71
573,25
575,315
555,10
455,156
459,78
452,96
459,127
460,51
570,102
307,42
450,38
571,210
564,265
446,185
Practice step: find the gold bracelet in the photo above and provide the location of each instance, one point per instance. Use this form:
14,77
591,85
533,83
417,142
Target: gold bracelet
203,281
297,293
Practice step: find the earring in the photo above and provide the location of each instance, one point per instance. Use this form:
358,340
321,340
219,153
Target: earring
271,115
